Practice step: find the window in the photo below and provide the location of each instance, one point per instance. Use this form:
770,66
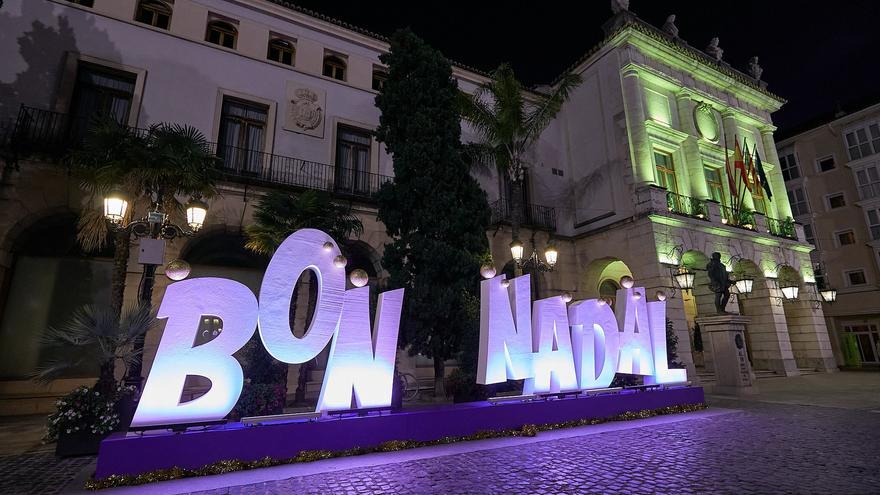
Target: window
714,184
789,167
379,78
242,135
836,201
281,51
808,234
665,171
859,143
154,13
84,3
874,223
846,238
798,201
334,66
101,91
869,182
352,160
825,164
221,33
855,277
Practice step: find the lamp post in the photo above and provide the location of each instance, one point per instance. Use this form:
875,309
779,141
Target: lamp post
153,229
533,261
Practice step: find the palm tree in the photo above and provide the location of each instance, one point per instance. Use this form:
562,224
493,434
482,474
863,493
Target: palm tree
153,167
96,334
508,121
280,214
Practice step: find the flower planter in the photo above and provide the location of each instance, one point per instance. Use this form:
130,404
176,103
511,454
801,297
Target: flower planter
78,443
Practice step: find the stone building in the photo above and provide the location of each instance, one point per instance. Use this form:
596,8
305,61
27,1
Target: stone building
831,174
629,179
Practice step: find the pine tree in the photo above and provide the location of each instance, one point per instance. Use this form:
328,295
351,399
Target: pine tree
434,211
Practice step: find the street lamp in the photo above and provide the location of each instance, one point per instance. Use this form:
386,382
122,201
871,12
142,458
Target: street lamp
744,285
684,278
790,291
828,295
154,228
533,262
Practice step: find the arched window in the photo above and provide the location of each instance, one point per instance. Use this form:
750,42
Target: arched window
281,51
221,33
154,13
334,67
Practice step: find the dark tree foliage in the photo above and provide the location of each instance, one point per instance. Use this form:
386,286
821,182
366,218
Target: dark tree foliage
434,211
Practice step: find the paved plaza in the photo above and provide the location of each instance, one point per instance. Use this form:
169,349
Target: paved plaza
811,434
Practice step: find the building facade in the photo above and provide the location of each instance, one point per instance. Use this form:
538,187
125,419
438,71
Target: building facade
628,179
831,173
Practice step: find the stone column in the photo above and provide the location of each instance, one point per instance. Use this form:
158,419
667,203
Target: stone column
779,203
810,342
693,163
726,335
768,331
639,144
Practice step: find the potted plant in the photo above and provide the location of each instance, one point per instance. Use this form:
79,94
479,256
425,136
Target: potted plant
93,336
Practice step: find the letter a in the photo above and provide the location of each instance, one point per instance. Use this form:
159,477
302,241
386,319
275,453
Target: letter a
505,347
359,361
184,305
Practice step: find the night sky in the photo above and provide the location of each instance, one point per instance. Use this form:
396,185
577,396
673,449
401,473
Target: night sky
817,55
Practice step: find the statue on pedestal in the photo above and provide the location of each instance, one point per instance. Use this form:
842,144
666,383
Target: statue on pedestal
618,6
755,69
719,282
714,50
670,26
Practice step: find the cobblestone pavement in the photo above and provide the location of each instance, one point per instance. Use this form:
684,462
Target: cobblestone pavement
38,472
763,448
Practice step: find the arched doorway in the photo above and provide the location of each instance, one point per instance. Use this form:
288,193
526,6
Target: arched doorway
51,277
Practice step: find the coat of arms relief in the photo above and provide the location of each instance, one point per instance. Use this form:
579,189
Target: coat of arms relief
305,110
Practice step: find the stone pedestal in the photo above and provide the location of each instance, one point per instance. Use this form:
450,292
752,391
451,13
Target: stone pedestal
726,336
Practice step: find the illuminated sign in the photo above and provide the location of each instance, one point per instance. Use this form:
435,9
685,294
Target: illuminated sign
553,347
361,361
581,347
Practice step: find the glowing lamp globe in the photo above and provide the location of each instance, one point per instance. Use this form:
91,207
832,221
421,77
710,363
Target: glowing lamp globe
196,211
790,292
359,278
487,271
115,207
339,261
551,255
328,246
661,296
505,283
627,282
516,250
177,270
567,297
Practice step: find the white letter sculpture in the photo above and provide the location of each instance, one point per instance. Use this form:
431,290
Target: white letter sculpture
599,344
176,358
359,360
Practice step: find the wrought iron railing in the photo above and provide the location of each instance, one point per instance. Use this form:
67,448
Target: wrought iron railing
781,228
687,206
541,217
738,217
44,132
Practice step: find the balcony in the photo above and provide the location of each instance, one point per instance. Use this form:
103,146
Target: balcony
781,228
686,206
536,216
41,132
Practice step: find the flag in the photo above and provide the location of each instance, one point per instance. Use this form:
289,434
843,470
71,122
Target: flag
760,168
740,164
730,181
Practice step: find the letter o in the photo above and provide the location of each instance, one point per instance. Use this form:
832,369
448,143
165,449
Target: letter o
303,250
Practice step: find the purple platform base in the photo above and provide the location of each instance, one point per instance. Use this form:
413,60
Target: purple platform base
131,454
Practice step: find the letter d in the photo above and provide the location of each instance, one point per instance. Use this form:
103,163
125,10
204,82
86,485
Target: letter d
184,304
